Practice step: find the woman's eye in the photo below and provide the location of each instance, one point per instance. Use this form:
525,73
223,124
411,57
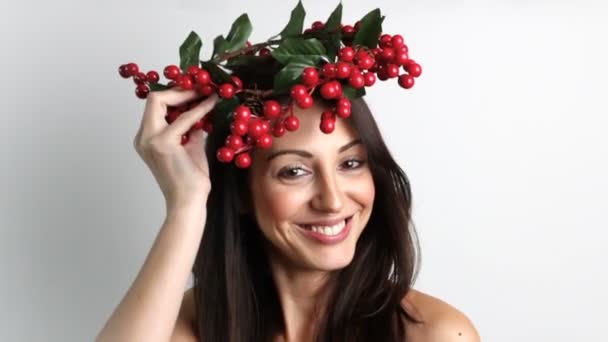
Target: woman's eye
353,163
291,172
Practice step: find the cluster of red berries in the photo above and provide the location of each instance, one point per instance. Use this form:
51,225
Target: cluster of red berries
255,122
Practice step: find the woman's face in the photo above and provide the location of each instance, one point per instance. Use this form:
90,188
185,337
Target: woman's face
313,193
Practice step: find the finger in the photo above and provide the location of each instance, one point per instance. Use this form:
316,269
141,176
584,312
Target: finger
187,119
156,107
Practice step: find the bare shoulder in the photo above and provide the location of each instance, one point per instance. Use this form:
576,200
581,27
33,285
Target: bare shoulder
442,321
184,331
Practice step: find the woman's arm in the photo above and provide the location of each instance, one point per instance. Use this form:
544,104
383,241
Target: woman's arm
149,310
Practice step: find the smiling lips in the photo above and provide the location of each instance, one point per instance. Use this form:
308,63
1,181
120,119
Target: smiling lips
333,233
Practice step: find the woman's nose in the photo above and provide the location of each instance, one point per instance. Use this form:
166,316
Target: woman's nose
329,197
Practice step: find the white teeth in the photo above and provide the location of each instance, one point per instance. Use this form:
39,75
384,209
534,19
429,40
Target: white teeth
332,230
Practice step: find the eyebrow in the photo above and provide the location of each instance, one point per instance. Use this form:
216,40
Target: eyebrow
307,154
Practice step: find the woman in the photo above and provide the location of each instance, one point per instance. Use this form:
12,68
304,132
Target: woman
312,243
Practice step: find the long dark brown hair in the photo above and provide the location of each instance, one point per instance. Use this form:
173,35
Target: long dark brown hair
235,296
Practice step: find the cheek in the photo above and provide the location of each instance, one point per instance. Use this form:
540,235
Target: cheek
280,204
365,191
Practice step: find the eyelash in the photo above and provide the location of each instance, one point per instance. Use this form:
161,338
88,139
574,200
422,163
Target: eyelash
283,173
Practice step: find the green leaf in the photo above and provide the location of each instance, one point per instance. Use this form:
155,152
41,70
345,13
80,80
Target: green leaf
189,51
334,20
239,33
333,45
369,32
237,37
218,75
158,87
352,93
219,44
297,49
288,76
296,22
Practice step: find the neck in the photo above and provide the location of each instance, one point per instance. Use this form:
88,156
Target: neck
302,297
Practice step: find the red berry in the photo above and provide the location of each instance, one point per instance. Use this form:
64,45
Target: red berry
198,124
364,60
265,141
132,69
265,126
152,77
185,139
385,41
343,102
348,30
278,129
171,116
205,90
226,90
185,82
343,70
171,72
356,80
414,69
310,76
208,127
401,58
328,115
327,126
369,78
235,142
239,127
192,70
242,112
225,154
139,78
298,91
392,70
272,109
346,54
305,101
317,25
255,129
376,52
328,90
406,81
338,87
243,160
291,123
123,71
343,112
387,55
237,82
329,70
142,91
264,52
382,73
397,41
203,77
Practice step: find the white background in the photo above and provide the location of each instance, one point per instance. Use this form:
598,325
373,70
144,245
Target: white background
503,138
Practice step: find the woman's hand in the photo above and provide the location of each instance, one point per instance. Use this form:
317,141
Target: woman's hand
181,171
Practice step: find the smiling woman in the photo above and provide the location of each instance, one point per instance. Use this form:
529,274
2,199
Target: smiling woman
316,253
306,238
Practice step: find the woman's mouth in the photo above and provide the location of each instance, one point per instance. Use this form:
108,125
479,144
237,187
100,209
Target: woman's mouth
328,234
